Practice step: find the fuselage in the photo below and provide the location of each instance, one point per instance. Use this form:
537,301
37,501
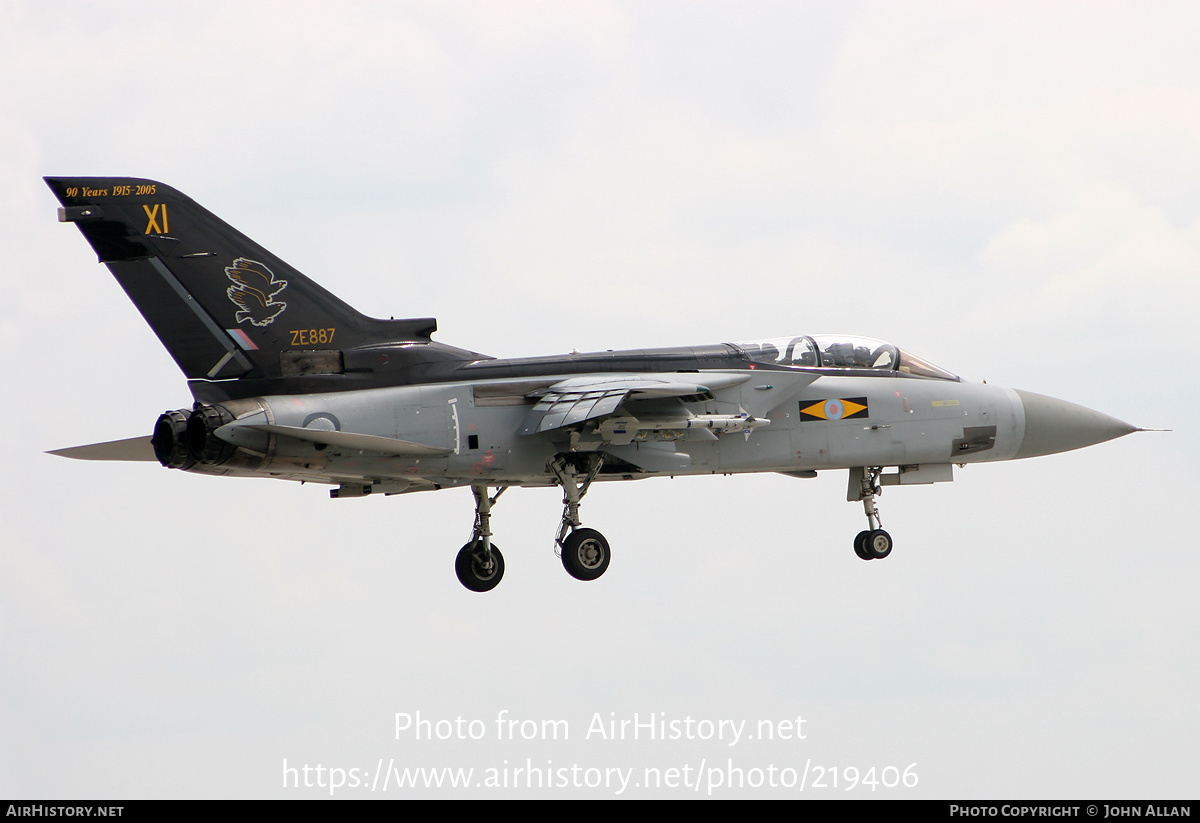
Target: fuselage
817,417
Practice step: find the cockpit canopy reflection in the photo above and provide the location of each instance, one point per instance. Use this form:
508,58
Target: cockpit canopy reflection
840,351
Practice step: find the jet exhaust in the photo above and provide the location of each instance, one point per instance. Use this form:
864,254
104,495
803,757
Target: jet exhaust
170,440
187,438
203,444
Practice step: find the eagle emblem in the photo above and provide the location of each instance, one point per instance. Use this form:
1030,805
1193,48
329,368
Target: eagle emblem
253,292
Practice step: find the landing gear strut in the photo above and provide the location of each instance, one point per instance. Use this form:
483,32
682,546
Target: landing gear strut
479,564
585,552
874,543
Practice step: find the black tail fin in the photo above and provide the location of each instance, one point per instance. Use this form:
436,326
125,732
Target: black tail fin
223,306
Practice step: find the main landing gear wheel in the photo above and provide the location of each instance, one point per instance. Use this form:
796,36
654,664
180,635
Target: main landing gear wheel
860,545
878,545
476,571
479,564
585,554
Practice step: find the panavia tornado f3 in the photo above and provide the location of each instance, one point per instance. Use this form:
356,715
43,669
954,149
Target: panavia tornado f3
290,382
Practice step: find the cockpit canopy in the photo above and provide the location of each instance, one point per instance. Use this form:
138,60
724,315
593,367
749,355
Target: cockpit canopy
839,351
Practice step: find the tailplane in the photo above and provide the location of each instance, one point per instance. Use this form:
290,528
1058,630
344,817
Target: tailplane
225,307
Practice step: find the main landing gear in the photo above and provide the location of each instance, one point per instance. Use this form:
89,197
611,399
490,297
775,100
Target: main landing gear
479,564
584,552
873,543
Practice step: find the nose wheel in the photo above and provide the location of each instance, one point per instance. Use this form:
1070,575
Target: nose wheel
876,546
860,544
873,543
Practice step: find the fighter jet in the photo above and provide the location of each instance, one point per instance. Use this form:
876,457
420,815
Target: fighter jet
290,382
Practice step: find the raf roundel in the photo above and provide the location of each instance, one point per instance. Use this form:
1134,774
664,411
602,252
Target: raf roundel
833,409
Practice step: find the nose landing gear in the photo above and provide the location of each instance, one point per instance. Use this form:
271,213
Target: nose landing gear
873,543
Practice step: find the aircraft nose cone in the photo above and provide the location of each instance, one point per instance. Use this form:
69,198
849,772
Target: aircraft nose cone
1053,426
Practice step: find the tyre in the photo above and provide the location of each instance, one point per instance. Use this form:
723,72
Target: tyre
860,545
878,544
585,554
476,575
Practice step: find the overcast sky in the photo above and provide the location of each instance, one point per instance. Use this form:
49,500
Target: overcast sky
1010,190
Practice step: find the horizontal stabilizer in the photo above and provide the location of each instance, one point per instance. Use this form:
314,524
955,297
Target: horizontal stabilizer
135,449
349,440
